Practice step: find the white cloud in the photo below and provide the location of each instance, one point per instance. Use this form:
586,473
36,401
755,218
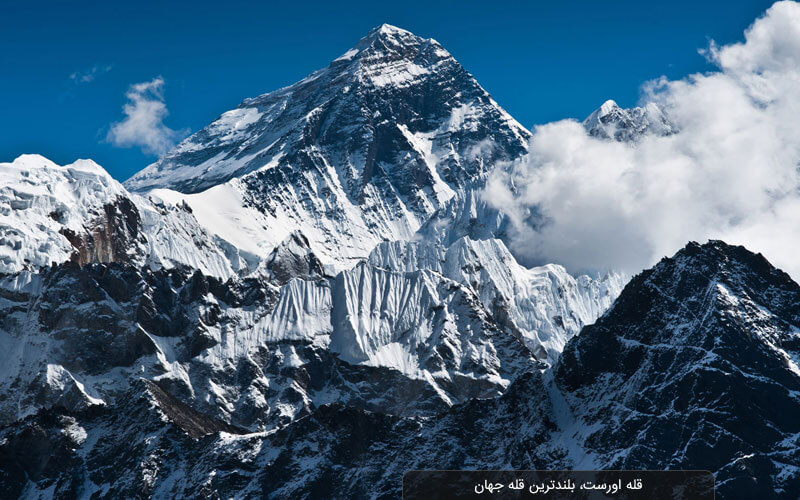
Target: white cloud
143,125
89,75
730,173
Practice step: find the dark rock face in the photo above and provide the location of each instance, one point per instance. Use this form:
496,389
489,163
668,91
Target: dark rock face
694,367
292,259
191,421
111,237
368,126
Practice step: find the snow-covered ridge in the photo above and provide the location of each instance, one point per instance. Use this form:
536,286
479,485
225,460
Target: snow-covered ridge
610,121
50,214
40,201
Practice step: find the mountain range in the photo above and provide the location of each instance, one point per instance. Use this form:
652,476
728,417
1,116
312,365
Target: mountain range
312,295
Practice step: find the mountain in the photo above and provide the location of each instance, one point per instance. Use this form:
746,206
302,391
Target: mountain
262,350
102,287
255,321
610,121
695,366
360,152
51,213
312,295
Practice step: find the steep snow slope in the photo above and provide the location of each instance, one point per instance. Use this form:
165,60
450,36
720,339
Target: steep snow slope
544,305
360,152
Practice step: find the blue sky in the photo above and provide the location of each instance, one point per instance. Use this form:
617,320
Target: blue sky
67,65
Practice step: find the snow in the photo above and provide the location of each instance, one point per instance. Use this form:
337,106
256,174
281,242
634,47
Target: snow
572,432
74,431
222,211
395,75
302,313
610,121
39,200
60,380
608,107
235,122
535,297
395,355
347,55
175,238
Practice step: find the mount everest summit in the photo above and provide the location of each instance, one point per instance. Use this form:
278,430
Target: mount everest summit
313,287
360,152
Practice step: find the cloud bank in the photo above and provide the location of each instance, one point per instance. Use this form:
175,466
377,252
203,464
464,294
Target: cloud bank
731,172
143,125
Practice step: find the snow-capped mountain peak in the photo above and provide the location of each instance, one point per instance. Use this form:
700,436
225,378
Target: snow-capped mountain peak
608,107
390,55
362,151
384,37
610,121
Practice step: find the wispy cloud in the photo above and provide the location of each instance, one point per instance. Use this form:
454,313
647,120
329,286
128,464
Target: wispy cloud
143,125
88,76
731,172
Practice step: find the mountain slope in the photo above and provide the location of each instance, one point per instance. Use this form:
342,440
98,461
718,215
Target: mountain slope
360,152
389,335
714,327
696,366
544,306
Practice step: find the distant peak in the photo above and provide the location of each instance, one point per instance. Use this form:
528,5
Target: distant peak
388,33
609,121
388,29
608,106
